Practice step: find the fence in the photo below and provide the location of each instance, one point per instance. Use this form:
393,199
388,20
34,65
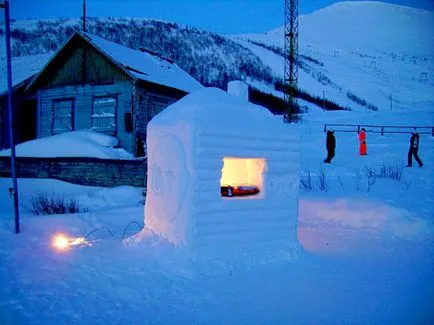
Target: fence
83,171
379,129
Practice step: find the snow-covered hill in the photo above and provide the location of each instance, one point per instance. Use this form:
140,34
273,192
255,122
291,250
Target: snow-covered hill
368,27
211,58
360,55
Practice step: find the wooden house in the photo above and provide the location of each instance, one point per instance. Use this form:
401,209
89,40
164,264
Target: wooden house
91,83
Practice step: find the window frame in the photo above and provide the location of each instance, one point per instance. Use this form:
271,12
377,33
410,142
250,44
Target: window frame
53,114
115,113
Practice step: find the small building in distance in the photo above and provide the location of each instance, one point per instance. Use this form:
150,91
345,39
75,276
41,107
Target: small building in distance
91,83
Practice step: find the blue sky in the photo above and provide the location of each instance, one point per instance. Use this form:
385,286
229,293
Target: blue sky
222,16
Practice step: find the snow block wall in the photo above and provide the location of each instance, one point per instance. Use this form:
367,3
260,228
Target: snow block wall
209,139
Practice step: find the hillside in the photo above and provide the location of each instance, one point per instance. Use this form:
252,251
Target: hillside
358,55
210,58
358,52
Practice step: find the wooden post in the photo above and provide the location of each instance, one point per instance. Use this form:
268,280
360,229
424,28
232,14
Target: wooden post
323,100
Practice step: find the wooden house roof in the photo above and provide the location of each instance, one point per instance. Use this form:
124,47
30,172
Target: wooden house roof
137,64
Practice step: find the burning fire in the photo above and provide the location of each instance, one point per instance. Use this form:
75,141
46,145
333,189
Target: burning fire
61,242
243,171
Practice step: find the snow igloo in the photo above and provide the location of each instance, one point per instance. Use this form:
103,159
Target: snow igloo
223,178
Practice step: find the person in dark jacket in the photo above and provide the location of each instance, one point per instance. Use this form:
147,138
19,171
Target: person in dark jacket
331,146
413,150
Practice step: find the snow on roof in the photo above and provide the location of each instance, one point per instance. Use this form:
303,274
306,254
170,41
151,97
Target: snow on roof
214,109
23,68
145,66
72,144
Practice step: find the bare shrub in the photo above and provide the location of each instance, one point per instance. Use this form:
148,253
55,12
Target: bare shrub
323,183
357,183
42,204
371,178
341,183
306,182
392,171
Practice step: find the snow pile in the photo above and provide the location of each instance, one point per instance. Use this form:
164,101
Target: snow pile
365,215
239,88
111,197
210,139
72,144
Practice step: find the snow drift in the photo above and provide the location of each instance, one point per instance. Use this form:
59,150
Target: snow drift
72,144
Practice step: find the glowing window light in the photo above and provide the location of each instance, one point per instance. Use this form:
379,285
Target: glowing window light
242,176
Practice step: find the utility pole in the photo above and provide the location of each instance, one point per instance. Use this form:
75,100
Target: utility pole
323,100
291,60
84,15
14,189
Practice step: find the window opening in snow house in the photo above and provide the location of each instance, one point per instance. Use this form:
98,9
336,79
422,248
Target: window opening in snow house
242,176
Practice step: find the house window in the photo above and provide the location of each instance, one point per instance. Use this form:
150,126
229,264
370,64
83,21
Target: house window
63,114
104,114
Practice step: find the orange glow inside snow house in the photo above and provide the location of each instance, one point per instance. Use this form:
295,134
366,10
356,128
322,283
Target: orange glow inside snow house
242,176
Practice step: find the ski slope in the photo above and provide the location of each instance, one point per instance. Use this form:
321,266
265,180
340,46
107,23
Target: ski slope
381,53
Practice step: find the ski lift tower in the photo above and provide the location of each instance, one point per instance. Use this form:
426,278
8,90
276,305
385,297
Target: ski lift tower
291,60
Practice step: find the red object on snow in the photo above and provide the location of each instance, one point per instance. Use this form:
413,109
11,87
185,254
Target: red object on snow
363,148
229,191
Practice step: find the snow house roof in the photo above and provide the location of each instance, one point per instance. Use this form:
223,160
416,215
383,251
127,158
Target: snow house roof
137,64
213,109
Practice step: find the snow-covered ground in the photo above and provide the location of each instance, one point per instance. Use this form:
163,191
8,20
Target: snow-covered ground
367,259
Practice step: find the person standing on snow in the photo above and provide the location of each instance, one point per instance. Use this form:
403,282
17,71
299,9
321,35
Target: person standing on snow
362,139
413,150
331,146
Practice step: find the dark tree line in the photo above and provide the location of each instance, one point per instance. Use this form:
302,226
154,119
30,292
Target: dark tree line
211,58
